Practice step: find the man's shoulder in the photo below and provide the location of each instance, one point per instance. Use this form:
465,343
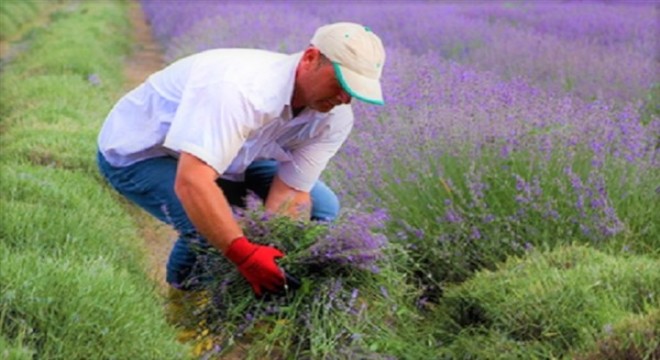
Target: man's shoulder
236,68
239,56
263,79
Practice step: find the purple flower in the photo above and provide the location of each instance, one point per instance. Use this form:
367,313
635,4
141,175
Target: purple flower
384,292
351,241
452,216
94,79
474,233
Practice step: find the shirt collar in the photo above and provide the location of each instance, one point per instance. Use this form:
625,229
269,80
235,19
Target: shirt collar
284,73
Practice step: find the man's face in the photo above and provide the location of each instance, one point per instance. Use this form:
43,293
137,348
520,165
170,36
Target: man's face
319,87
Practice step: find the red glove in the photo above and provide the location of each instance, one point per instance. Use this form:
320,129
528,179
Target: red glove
257,264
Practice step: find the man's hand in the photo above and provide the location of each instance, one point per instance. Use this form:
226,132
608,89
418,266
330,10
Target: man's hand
257,264
286,200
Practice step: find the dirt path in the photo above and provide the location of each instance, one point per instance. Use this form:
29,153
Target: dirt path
147,58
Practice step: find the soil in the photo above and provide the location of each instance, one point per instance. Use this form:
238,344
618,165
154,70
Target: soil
145,59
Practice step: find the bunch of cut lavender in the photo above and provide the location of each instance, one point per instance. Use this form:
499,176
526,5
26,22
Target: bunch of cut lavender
319,254
314,248
351,242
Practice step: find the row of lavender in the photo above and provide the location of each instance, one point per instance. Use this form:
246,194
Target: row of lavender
629,25
588,49
438,106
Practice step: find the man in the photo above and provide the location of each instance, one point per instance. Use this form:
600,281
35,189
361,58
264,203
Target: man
194,137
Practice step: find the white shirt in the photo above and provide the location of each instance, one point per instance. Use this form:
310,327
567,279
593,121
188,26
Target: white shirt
228,107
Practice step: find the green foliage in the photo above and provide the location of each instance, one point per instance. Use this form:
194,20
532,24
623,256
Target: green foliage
73,309
550,301
87,58
47,205
634,337
651,109
635,197
63,146
49,84
569,83
14,350
460,50
341,309
72,284
53,99
464,214
15,13
493,344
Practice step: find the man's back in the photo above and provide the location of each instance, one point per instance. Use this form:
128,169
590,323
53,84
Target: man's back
231,65
255,83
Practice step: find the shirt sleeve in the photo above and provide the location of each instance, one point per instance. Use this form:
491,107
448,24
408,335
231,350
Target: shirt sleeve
212,122
308,161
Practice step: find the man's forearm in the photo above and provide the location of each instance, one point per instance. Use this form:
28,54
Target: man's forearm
208,209
205,204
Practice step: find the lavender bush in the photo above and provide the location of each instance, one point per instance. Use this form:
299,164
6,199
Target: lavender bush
521,166
623,23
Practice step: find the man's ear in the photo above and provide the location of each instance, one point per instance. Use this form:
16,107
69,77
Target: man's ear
311,55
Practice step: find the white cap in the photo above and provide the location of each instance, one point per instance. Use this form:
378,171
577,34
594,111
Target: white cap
358,57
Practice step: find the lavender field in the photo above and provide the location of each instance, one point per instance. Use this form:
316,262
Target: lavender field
511,130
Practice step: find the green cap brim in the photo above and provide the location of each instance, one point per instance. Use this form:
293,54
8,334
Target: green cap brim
350,91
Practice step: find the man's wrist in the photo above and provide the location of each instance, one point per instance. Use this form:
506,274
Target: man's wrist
239,250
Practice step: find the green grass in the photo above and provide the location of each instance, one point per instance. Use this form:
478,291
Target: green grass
61,208
81,308
14,14
64,147
636,336
13,350
548,303
73,283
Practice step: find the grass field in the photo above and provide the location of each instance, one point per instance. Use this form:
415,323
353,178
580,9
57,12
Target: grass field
73,283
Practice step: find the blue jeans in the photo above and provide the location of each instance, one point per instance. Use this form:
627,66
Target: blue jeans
150,184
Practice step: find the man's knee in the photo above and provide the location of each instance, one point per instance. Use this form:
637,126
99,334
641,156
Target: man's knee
325,203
